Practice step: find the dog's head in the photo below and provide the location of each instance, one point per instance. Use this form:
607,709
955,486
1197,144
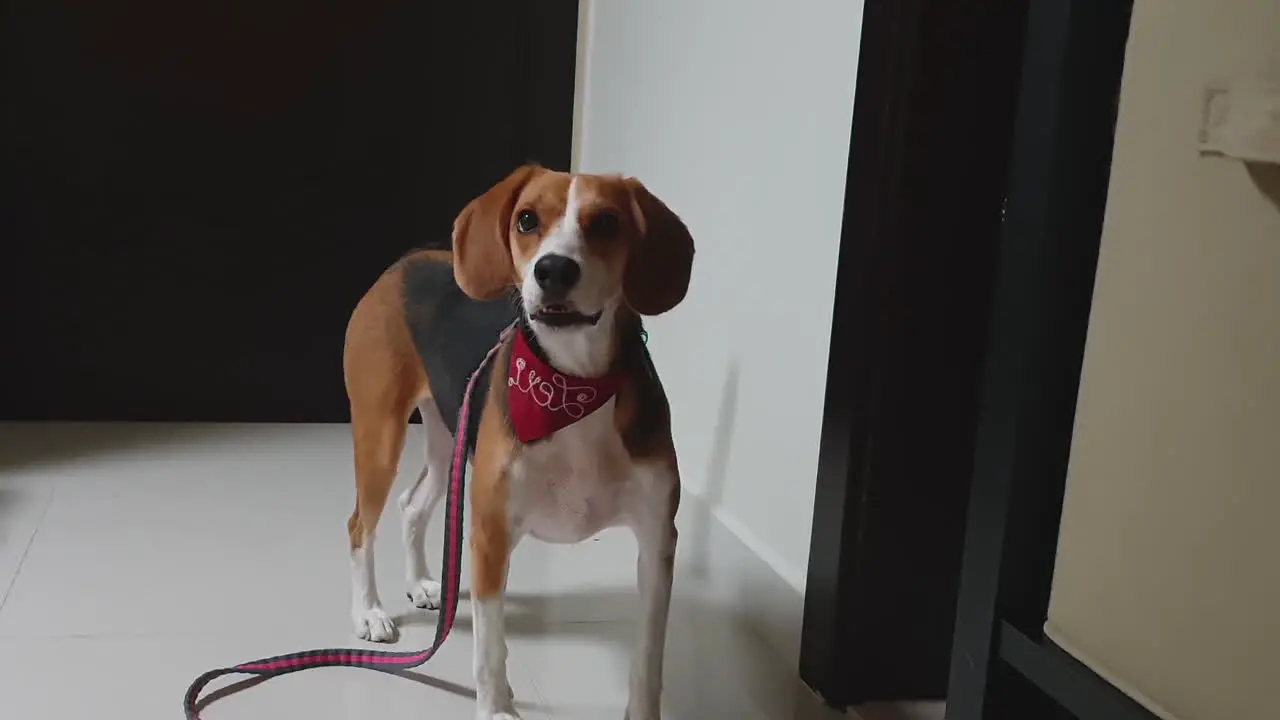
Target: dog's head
576,246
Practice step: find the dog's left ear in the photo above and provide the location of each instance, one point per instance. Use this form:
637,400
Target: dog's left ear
660,260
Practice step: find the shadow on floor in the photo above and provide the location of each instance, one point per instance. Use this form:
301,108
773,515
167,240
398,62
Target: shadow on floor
25,446
714,667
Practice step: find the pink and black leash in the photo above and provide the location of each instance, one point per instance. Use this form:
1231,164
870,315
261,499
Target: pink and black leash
451,570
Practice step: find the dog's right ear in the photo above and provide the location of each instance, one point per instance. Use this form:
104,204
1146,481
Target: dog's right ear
482,262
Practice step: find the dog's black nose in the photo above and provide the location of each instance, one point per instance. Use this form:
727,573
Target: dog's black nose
556,274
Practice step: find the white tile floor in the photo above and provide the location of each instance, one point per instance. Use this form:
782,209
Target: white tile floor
133,558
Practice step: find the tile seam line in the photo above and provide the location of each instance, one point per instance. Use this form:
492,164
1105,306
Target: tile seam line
17,571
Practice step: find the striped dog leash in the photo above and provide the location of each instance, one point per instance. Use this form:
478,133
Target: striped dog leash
382,661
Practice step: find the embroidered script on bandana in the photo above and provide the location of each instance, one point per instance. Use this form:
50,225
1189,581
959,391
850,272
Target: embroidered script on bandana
542,400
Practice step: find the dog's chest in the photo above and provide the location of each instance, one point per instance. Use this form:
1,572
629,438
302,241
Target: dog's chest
573,484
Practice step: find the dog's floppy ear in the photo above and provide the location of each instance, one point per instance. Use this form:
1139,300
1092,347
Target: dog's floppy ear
481,251
660,260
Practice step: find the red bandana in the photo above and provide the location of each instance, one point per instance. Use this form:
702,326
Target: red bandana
542,400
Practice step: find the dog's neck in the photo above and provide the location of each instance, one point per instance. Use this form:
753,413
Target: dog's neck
589,351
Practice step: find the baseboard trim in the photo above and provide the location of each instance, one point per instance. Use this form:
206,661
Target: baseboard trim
899,711
720,567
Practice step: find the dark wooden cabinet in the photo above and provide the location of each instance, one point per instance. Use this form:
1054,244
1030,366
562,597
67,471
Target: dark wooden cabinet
978,173
928,157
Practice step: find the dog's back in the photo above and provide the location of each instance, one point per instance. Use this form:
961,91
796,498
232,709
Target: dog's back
416,313
450,331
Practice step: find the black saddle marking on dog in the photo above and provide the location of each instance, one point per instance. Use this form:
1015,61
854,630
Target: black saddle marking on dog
452,334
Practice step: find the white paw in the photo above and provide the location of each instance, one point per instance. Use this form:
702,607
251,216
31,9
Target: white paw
373,624
425,594
507,713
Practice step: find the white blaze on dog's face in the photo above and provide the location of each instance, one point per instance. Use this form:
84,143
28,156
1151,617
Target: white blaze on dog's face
569,240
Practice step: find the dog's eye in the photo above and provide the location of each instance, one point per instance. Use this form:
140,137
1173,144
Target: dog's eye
527,221
603,225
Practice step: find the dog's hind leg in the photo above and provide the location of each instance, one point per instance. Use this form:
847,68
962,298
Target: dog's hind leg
384,380
379,439
418,504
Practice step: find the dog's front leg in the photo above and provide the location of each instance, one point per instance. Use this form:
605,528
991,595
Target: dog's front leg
491,542
653,520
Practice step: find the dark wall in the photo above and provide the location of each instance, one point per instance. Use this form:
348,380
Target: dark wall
194,195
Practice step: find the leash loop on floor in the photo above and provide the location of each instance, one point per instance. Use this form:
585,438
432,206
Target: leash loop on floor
451,572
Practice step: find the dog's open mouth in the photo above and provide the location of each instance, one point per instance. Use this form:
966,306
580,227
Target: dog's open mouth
561,315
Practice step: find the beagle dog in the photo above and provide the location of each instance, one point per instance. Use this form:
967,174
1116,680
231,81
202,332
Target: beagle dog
570,428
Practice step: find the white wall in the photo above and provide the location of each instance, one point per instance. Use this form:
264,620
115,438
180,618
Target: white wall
737,113
1167,580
